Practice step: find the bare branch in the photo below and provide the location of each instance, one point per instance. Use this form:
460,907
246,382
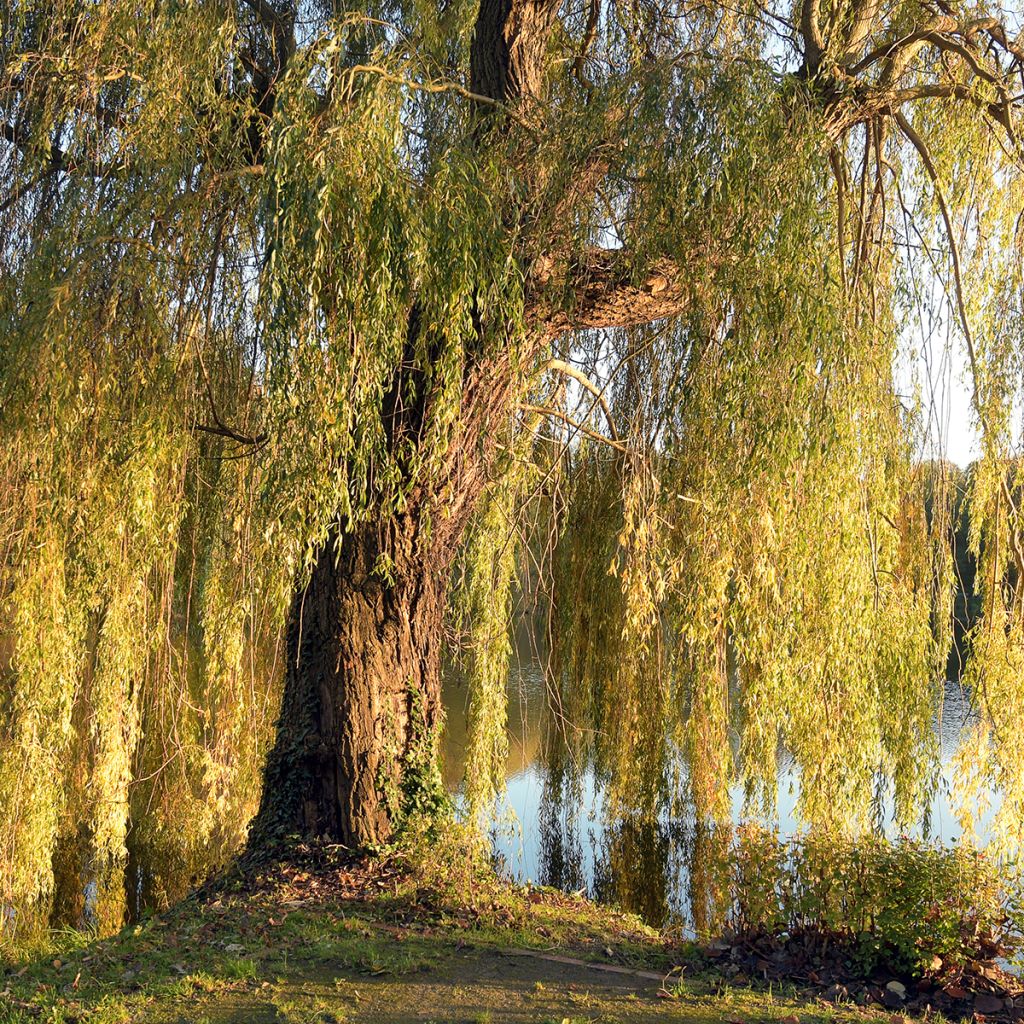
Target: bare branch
220,430
951,45
570,371
543,410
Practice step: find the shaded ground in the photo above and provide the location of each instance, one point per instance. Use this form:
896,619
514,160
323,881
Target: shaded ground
470,987
383,942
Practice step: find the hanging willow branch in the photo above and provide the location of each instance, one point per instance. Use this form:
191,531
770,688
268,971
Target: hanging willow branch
347,243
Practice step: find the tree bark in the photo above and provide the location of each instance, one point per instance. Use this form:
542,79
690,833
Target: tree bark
508,60
362,710
362,697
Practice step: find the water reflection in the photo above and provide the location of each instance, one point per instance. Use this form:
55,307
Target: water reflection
558,830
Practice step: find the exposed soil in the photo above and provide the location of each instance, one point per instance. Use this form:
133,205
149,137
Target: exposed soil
981,989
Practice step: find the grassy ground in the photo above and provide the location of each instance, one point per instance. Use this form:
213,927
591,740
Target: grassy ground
389,941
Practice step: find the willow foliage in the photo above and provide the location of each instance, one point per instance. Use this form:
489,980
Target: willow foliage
213,279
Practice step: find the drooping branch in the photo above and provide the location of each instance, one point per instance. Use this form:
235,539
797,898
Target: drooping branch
1016,542
839,171
933,176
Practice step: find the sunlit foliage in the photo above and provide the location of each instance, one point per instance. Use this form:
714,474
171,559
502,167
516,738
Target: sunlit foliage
212,280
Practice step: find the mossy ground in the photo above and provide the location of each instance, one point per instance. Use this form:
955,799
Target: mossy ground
389,940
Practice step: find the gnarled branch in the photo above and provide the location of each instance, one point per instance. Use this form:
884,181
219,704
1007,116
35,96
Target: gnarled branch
605,295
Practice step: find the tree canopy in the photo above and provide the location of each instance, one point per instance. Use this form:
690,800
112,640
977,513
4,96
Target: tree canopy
610,294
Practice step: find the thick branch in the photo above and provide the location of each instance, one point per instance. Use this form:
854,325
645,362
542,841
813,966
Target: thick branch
267,14
810,29
279,26
508,58
593,17
605,295
903,48
864,105
864,14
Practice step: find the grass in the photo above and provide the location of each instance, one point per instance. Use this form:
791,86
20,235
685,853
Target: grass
393,940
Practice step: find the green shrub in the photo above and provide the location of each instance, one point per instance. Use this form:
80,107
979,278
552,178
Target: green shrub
900,903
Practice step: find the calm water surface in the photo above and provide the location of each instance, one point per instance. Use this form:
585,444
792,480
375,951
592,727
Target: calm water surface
560,835
556,831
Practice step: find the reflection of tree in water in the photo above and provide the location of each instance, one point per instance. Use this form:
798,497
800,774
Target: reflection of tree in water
635,864
656,849
633,868
665,869
561,851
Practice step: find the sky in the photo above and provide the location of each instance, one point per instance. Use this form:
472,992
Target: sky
944,388
932,373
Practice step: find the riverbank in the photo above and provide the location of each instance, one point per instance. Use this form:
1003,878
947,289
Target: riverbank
398,939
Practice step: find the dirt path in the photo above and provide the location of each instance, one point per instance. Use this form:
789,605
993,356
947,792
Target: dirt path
471,988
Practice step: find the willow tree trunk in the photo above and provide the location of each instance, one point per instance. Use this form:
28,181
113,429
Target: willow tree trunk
362,697
361,710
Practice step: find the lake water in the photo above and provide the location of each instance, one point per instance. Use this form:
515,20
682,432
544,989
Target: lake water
556,830
559,834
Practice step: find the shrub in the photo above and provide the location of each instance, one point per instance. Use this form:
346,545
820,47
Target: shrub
899,903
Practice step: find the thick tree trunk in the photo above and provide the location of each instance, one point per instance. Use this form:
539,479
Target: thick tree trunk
362,700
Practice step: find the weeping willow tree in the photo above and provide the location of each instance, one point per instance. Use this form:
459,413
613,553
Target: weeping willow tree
305,303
